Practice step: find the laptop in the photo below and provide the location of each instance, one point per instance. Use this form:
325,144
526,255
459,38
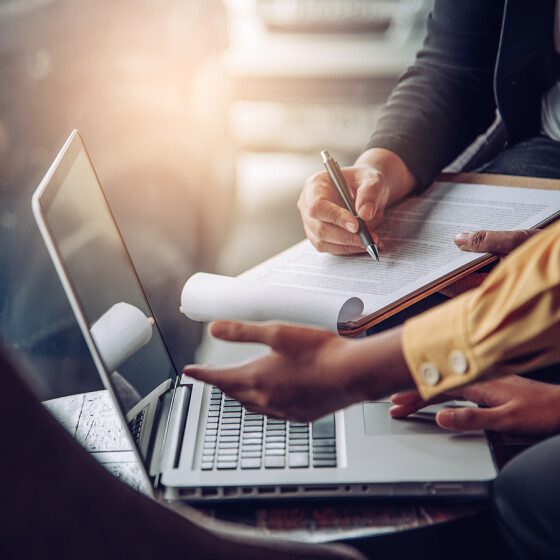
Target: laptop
195,443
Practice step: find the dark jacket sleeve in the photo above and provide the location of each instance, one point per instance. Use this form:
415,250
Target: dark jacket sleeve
446,99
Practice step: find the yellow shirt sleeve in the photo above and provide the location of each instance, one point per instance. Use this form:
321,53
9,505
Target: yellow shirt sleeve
508,325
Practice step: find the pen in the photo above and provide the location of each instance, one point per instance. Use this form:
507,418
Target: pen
339,182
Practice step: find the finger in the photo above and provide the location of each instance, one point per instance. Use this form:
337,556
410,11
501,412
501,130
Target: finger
470,418
279,336
247,396
242,331
405,397
332,239
497,242
320,201
402,410
225,378
368,199
367,208
409,402
331,213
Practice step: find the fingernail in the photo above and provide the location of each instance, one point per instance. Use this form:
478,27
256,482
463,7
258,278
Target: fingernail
366,211
446,419
351,227
462,238
217,329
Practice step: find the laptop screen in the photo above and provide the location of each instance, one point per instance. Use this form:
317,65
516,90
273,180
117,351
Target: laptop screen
102,277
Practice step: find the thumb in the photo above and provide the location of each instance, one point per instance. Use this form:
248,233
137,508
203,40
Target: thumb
497,242
367,200
469,418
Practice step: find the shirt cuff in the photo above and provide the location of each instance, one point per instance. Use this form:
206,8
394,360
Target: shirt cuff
437,349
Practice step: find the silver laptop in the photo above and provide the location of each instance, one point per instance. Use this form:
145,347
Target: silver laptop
197,444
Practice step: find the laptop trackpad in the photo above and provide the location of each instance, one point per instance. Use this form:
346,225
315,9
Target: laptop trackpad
377,421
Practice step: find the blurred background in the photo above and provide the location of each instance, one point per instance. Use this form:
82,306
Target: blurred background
203,118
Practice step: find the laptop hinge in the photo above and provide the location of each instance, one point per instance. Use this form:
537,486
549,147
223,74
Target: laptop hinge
174,430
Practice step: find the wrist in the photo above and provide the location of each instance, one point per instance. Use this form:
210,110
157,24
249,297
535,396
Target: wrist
379,366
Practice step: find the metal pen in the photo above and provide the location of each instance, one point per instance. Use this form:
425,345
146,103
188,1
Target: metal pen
338,180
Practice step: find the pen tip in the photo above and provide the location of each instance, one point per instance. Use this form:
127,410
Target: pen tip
373,253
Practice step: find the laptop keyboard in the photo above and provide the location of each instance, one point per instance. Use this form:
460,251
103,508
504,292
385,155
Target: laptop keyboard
136,426
238,439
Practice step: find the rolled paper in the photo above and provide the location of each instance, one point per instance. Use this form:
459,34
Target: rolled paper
206,297
119,333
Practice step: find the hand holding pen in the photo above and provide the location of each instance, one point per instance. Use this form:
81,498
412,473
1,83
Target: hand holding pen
338,180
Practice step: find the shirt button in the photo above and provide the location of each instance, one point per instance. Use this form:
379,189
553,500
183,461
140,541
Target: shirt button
429,373
458,362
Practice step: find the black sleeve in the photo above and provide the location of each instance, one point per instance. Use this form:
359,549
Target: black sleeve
446,98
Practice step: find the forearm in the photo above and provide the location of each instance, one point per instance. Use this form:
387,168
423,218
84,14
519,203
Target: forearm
375,366
446,98
508,325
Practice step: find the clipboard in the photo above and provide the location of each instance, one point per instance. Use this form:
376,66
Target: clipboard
300,283
467,178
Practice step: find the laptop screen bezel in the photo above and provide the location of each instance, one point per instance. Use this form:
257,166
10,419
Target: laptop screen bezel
42,200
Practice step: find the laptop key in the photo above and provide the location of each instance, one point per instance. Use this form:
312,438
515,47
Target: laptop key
271,452
324,450
253,423
298,436
251,463
299,429
299,460
275,445
251,453
251,444
231,415
228,445
230,439
226,465
298,448
231,421
277,433
324,456
324,442
324,463
275,439
274,462
227,455
324,427
252,429
252,439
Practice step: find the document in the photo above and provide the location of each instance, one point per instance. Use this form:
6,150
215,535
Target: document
419,257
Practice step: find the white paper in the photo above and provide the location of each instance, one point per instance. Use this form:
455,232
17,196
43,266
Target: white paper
209,296
418,243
